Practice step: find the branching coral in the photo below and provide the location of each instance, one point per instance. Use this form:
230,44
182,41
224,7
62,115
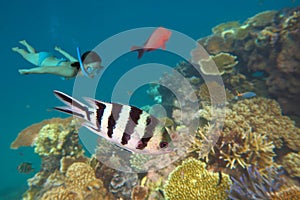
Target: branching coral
252,129
290,193
192,181
252,185
291,163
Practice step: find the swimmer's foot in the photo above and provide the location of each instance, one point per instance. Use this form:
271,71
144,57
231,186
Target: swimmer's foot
29,48
23,42
15,49
24,71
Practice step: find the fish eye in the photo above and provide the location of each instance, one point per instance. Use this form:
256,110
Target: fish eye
163,144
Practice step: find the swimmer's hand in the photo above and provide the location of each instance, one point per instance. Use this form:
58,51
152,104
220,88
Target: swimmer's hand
57,48
23,71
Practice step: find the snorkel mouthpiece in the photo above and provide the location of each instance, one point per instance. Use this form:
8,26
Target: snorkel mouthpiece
85,73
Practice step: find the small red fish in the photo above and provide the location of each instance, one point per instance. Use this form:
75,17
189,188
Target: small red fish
156,40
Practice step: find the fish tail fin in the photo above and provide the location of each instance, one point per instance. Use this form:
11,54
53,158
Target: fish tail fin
73,106
139,49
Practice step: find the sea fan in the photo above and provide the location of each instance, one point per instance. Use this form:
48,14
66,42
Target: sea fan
253,185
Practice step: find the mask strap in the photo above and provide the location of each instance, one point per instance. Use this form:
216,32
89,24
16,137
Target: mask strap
85,73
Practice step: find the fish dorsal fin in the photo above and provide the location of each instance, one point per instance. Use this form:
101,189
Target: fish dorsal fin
94,102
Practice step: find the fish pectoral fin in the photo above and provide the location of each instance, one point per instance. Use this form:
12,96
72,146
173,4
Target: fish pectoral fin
139,49
136,48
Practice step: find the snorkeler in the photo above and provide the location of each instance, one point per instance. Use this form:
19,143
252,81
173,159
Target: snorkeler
89,64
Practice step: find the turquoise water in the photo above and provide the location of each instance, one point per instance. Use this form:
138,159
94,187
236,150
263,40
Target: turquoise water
26,99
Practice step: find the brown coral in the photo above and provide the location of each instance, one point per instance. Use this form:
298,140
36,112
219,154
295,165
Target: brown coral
268,42
215,64
80,183
58,139
291,163
290,193
192,181
262,19
27,136
252,129
139,193
216,96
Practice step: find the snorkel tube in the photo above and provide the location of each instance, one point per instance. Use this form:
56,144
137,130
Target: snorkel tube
85,73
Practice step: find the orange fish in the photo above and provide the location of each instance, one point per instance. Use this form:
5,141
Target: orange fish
156,40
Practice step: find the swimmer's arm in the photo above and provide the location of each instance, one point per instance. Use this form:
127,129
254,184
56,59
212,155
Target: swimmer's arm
64,53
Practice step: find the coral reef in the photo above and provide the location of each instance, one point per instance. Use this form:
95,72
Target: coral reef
192,181
290,193
267,42
217,64
28,136
204,95
139,193
291,163
119,183
250,128
122,183
224,63
252,185
80,183
57,139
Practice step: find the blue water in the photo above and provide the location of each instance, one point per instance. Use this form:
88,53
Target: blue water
25,99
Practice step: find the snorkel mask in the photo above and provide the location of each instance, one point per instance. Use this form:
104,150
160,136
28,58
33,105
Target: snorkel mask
91,71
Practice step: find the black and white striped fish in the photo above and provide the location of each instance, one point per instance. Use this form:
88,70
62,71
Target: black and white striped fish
127,126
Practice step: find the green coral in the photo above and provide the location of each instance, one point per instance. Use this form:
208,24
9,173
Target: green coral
192,181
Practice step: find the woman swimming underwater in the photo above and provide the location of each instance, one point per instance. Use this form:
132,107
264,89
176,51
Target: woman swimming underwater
89,64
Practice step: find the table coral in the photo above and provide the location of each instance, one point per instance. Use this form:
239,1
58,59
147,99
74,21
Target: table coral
262,19
28,136
192,181
217,64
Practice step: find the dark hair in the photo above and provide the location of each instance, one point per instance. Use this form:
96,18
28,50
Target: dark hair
90,57
87,57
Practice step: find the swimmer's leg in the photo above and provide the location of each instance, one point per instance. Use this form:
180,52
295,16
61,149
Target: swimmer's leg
30,57
35,70
29,47
44,70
